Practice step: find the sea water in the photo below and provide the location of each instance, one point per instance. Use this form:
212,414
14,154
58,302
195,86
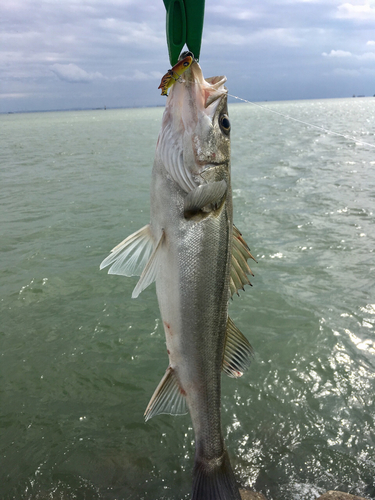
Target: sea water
79,359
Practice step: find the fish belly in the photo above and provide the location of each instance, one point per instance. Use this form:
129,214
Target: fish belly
193,292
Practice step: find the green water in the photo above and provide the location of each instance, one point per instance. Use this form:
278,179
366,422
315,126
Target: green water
79,359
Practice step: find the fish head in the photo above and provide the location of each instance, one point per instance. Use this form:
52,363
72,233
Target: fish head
195,135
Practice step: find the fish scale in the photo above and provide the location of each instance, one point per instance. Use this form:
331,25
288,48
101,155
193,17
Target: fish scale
187,250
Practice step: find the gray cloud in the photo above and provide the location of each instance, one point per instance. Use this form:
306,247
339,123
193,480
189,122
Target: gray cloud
74,74
269,49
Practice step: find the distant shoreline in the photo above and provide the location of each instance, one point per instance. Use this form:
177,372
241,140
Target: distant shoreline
162,105
78,109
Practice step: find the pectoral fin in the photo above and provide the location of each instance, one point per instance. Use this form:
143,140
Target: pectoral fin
237,353
167,398
148,275
203,195
130,256
137,255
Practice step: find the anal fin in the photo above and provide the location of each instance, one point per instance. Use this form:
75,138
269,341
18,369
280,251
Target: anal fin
237,353
167,398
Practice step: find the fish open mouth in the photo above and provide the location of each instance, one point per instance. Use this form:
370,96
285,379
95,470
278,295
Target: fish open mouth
187,140
218,90
212,88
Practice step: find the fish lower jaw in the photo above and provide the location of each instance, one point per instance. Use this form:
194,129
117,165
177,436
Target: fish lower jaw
205,168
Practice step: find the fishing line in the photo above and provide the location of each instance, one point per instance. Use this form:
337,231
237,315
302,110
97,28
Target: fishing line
327,131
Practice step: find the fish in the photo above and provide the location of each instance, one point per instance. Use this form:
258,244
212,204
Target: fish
198,259
174,74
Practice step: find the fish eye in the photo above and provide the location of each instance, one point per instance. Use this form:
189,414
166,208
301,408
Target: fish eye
186,63
224,124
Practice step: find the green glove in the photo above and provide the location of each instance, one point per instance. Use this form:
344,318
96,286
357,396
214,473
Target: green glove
184,25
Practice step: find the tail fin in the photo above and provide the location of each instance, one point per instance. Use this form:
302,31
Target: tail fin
215,480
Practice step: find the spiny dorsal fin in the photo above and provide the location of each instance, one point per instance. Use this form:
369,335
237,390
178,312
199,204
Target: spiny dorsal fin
237,353
167,398
243,247
232,287
203,195
239,266
130,256
148,275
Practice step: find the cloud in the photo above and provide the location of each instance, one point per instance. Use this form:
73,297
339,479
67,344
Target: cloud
138,75
276,36
13,95
337,53
132,33
118,49
360,12
360,72
232,11
346,72
366,56
74,74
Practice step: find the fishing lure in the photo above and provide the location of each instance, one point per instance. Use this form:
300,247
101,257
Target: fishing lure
171,77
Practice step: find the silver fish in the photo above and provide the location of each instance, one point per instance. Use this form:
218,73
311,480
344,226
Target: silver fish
198,260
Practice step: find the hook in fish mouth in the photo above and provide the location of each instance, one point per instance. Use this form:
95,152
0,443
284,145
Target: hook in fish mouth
199,260
212,88
186,54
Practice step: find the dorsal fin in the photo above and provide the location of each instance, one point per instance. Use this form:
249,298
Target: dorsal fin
239,266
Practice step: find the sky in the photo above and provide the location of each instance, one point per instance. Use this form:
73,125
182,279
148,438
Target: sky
65,54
